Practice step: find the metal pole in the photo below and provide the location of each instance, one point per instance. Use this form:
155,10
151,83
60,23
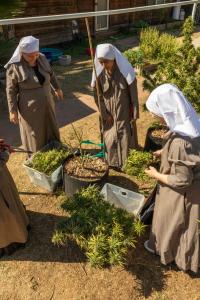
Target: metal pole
194,10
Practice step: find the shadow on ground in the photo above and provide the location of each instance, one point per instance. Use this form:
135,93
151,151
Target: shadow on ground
39,247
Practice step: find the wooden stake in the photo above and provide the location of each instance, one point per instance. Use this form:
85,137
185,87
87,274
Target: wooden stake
95,72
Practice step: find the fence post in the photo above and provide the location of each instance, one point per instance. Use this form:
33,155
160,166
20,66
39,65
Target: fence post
194,11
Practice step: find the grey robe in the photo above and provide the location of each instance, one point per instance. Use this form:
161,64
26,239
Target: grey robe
13,219
33,102
175,230
119,100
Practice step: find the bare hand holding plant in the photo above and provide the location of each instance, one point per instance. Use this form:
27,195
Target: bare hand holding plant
157,153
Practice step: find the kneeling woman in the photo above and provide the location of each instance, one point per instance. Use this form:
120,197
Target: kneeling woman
13,218
175,228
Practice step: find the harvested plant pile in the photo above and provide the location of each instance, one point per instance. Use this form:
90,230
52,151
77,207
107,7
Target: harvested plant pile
137,162
48,161
104,232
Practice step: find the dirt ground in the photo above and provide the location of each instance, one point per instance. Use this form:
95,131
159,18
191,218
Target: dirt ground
41,271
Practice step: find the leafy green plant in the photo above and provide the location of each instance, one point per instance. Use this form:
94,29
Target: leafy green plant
11,8
181,68
6,49
48,161
149,45
135,57
105,233
137,162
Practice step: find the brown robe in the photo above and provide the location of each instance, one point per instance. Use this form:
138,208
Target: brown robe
13,219
119,100
33,102
175,230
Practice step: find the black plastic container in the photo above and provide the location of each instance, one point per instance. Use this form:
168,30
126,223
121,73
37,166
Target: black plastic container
74,184
151,143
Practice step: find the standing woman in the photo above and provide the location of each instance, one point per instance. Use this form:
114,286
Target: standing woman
30,101
175,229
13,218
119,103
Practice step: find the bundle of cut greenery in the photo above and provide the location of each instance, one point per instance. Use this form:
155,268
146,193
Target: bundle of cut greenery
137,162
104,232
48,161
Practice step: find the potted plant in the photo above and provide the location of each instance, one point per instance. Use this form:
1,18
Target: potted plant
82,168
154,137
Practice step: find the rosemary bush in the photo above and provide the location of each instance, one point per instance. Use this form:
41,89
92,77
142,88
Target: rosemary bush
104,232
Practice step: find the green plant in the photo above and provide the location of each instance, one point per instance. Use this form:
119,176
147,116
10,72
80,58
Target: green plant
11,8
135,57
182,68
137,162
104,232
6,49
149,45
47,162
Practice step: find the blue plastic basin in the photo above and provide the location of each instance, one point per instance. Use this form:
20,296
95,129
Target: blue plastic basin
52,53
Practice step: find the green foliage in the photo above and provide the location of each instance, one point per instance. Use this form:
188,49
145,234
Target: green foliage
11,8
181,68
156,46
137,162
48,161
149,45
135,57
6,49
168,46
104,232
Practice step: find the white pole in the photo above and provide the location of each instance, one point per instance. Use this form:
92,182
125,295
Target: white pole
194,11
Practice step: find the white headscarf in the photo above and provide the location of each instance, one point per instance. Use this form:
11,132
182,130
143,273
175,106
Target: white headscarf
27,44
110,52
168,102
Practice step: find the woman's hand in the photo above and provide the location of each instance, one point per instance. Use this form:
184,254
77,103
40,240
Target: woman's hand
59,94
152,172
157,153
14,117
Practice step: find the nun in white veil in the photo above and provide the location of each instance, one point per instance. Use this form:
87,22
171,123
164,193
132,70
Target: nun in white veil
119,102
30,101
175,230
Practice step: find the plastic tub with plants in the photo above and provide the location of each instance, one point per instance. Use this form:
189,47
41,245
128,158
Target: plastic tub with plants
45,166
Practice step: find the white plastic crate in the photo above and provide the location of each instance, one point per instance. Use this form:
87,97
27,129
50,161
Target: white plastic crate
123,198
40,179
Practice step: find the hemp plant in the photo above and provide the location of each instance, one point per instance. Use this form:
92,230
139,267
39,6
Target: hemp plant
105,233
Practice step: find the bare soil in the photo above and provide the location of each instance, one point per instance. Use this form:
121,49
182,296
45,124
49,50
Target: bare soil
42,271
86,168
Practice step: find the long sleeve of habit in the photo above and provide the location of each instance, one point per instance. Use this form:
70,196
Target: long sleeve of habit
12,89
181,173
104,112
54,80
134,99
